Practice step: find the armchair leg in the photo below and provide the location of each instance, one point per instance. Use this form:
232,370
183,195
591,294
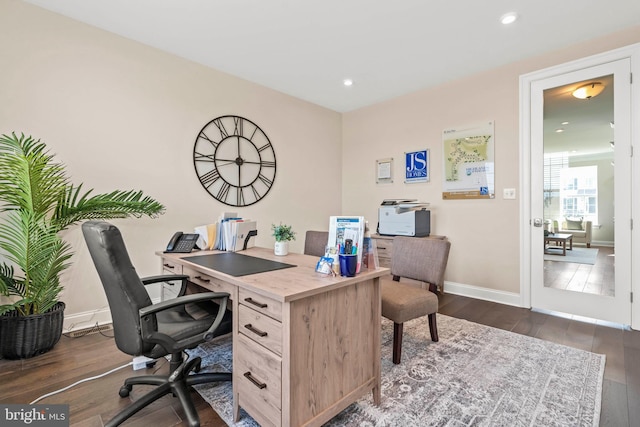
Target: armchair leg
433,329
397,342
588,245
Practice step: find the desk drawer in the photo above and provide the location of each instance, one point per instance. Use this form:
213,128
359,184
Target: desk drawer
385,247
169,266
258,377
260,328
261,304
210,283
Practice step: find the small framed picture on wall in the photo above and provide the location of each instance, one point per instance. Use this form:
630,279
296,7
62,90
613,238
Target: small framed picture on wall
416,166
384,170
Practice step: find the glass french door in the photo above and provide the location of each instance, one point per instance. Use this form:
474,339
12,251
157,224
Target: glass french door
578,177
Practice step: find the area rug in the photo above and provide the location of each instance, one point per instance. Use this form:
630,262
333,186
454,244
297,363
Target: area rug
474,376
577,255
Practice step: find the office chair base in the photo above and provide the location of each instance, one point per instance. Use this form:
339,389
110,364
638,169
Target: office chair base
178,383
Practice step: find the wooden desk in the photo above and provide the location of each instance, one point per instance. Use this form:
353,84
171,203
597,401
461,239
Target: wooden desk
305,345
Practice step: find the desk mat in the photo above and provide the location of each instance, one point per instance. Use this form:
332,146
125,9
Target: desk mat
235,264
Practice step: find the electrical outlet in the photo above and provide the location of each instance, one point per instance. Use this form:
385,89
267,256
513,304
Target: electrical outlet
509,193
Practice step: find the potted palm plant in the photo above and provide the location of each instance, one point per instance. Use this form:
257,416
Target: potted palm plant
283,234
37,202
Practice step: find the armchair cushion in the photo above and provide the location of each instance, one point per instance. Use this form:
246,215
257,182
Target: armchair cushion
574,224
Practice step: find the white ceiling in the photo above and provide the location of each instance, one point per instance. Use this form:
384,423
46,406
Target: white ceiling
306,48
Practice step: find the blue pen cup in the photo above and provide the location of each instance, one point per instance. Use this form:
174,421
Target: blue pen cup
348,264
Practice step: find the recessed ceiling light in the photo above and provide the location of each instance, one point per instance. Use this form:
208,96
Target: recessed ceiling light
347,82
509,18
564,123
559,130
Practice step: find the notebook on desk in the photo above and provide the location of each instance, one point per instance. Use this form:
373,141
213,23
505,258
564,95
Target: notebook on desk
235,264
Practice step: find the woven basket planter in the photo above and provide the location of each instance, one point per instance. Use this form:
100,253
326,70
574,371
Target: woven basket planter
22,337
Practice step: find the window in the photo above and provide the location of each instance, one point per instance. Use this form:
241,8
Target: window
579,192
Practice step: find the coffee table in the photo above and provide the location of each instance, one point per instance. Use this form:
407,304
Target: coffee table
559,238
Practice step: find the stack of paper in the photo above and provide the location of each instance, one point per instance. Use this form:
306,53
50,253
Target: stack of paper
229,233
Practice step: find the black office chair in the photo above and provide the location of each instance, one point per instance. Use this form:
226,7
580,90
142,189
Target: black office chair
155,330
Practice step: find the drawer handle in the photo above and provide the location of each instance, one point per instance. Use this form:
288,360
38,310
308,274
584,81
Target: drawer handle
202,279
256,303
255,331
381,247
254,381
169,266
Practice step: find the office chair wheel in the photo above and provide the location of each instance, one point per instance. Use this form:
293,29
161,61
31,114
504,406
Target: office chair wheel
124,390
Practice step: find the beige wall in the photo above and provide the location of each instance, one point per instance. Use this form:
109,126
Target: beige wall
484,233
122,115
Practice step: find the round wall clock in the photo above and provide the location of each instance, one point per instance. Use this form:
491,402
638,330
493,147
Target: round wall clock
234,160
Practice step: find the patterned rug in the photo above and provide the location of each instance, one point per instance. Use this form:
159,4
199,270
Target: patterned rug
474,376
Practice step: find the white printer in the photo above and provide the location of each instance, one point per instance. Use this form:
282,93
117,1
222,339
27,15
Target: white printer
404,217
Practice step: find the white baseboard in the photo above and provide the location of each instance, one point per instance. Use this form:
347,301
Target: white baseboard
85,320
502,297
88,319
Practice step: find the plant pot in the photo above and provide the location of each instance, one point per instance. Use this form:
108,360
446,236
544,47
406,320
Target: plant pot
281,248
22,337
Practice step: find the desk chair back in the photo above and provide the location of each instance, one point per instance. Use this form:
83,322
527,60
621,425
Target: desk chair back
122,285
420,259
424,260
315,242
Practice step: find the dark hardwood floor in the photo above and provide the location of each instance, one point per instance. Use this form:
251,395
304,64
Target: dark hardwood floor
94,402
594,279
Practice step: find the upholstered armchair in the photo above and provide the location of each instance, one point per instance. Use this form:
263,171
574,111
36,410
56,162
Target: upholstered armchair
581,230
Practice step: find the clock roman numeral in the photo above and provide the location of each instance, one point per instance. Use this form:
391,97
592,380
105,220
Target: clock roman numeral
264,147
266,164
221,128
210,178
256,194
204,136
223,193
265,180
199,157
240,197
239,124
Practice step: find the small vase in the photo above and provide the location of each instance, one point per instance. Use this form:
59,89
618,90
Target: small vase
281,248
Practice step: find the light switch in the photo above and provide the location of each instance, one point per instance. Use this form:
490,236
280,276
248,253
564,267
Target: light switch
509,193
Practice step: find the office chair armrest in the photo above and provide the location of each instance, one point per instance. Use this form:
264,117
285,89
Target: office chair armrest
163,278
165,340
150,280
180,301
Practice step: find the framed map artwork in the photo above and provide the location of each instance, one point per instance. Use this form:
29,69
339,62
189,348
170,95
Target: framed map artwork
468,157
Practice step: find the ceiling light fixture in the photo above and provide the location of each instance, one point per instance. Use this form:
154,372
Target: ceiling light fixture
347,82
509,18
559,130
589,90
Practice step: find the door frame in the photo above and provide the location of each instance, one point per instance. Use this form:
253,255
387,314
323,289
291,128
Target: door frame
526,81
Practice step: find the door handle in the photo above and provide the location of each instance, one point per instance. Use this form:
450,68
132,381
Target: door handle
537,222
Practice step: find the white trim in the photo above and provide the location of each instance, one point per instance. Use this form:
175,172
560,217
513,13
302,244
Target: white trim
631,52
88,319
502,297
